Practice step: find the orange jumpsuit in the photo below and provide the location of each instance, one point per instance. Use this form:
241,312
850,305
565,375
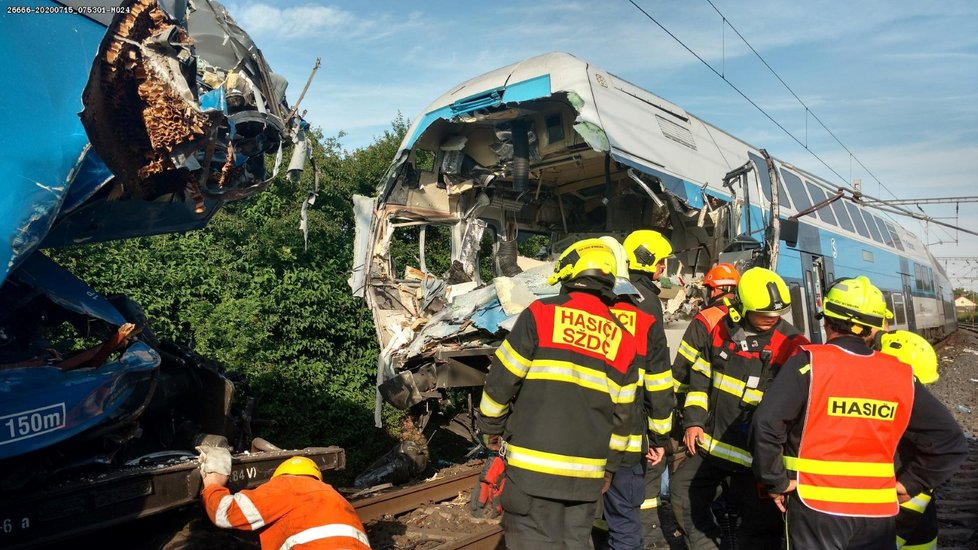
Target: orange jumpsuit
294,511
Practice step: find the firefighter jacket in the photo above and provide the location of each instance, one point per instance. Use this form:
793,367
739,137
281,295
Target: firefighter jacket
938,443
561,389
695,339
295,512
727,381
652,416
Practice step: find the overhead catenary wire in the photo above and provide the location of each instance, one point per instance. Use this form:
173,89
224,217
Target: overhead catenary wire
858,194
808,110
736,89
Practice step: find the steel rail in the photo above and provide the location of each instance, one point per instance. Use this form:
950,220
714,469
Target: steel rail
410,498
487,539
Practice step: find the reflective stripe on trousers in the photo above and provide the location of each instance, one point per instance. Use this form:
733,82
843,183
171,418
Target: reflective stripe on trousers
324,532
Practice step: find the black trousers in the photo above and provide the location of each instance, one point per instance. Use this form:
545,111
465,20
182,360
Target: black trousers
701,480
916,531
813,530
650,506
531,522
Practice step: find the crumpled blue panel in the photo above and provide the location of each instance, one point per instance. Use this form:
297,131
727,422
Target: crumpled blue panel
41,406
66,290
44,73
489,316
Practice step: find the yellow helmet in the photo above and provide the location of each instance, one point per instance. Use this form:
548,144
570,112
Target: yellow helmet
913,350
299,466
645,249
588,257
623,285
763,291
857,301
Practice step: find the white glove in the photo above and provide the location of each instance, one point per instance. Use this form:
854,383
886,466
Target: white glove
214,460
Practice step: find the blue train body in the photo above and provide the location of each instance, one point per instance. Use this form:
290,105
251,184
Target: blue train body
553,149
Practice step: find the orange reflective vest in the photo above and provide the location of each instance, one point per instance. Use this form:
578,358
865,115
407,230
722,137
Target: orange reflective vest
858,408
712,315
295,512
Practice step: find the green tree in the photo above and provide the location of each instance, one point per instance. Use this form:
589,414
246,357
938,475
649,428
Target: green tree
245,292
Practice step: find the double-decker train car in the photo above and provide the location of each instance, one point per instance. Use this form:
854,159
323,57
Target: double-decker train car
500,173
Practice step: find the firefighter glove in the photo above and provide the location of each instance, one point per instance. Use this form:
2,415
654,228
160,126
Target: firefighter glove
485,500
214,460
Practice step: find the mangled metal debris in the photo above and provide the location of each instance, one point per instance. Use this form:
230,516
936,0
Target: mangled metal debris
185,111
523,161
180,112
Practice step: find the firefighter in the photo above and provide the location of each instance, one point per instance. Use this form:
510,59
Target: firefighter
624,502
728,379
825,437
557,403
916,523
293,509
647,251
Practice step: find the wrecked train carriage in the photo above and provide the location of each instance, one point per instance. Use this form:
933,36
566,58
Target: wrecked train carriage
553,149
179,112
550,148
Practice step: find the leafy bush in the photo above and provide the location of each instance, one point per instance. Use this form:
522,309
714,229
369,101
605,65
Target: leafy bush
246,293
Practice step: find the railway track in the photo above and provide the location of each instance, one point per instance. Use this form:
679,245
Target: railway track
969,328
386,516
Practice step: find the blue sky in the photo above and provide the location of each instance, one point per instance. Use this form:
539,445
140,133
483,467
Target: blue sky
895,81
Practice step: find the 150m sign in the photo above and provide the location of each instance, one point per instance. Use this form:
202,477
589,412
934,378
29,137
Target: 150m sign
26,424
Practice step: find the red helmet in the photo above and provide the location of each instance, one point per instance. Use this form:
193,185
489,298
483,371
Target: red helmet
721,275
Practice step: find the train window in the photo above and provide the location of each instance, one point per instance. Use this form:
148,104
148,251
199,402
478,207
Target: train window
857,219
898,309
840,212
818,195
871,224
798,194
884,231
896,236
760,165
923,277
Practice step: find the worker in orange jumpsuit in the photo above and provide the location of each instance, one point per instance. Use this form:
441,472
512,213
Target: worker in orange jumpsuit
294,509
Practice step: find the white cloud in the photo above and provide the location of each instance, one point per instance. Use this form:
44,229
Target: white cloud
294,22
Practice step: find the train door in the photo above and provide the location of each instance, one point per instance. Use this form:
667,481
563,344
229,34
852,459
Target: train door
813,274
908,300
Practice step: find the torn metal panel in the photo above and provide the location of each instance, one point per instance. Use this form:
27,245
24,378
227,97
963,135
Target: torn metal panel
61,287
600,157
179,121
69,403
141,112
